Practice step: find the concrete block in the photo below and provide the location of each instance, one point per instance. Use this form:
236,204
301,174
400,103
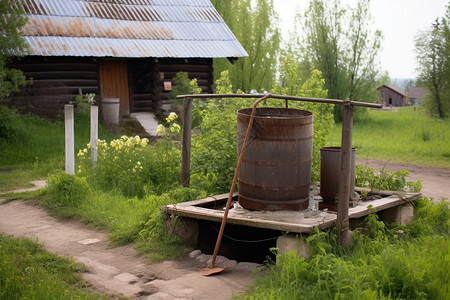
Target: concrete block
186,229
296,243
402,214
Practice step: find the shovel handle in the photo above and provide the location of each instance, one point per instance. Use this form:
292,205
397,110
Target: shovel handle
233,185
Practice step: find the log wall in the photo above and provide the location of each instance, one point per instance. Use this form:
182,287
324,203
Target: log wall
57,80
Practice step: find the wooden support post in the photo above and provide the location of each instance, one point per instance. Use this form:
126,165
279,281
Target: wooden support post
70,143
345,235
186,143
94,134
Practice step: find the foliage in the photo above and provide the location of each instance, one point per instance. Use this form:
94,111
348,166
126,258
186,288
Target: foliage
214,151
340,43
66,190
255,28
84,102
180,86
214,154
433,52
430,217
407,136
11,44
29,272
385,179
131,166
388,263
313,87
9,124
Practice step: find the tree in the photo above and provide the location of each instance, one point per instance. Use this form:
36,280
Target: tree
433,58
339,43
11,44
255,28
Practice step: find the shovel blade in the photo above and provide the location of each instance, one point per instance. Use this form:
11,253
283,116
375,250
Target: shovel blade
212,271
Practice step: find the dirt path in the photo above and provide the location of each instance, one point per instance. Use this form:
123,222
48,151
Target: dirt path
436,182
120,270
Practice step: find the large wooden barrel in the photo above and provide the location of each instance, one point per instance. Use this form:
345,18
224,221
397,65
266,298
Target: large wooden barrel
276,169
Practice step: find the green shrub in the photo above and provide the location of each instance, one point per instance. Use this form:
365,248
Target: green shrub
66,190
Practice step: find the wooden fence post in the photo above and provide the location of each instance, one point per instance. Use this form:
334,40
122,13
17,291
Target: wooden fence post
344,234
70,143
186,143
94,134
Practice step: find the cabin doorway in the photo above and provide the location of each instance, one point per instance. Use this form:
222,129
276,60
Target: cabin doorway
114,83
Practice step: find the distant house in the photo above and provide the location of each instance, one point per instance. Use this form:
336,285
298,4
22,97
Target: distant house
416,95
124,49
391,95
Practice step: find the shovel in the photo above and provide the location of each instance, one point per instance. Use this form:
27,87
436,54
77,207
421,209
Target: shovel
211,269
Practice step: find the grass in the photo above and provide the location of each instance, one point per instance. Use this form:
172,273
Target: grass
37,148
382,263
29,272
403,136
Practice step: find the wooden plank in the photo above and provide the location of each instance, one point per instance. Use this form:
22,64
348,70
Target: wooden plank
58,66
62,74
69,82
382,204
290,221
186,143
288,225
184,68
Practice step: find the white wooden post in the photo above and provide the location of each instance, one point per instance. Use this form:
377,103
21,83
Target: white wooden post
70,143
94,134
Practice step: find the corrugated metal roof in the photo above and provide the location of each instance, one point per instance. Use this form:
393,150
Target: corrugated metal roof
128,28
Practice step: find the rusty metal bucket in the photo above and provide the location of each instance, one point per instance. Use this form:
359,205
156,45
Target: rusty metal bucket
276,167
330,165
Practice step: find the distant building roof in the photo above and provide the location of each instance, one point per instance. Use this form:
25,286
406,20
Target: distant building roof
417,93
394,88
128,28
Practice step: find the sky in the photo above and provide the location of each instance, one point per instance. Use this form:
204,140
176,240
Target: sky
399,21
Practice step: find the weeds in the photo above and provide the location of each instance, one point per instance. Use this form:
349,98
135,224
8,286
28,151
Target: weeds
391,262
385,180
66,190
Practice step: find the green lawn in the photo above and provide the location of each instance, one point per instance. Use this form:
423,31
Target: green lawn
403,136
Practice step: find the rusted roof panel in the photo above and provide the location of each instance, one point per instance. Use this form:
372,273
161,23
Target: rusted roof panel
127,28
100,47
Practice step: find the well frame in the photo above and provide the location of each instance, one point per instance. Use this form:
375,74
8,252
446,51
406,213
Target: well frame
342,219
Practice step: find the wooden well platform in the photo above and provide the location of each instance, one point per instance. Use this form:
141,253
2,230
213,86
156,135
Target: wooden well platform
289,221
290,225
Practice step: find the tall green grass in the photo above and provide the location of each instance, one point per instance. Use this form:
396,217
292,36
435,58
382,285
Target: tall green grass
27,271
403,136
382,263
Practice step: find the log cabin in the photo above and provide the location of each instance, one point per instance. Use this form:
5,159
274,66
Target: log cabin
126,49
